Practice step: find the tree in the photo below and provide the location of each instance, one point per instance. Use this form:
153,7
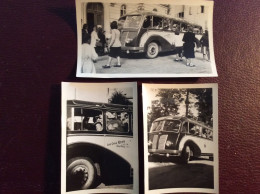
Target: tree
204,104
119,98
169,102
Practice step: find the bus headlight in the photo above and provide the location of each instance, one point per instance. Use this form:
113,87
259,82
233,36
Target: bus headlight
168,143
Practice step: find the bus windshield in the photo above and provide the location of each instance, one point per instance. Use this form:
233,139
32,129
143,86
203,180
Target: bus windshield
166,125
132,21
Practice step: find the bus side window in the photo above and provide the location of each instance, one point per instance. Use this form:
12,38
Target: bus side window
166,24
184,127
157,23
192,129
204,133
147,22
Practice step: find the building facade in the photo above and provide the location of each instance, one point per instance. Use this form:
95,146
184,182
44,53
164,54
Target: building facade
104,13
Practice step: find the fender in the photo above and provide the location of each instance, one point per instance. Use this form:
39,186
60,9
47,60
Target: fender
163,44
188,140
109,161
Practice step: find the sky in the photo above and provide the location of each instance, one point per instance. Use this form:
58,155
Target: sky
96,92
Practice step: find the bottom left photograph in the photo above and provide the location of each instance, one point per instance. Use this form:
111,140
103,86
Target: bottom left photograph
99,138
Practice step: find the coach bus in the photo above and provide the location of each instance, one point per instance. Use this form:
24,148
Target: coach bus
151,33
99,140
180,136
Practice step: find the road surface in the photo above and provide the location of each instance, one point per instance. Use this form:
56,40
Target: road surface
163,64
196,174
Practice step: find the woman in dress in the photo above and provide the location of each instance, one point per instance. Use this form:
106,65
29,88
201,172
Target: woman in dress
188,46
114,46
88,55
94,37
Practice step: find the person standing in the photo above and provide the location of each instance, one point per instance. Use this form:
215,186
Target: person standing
102,38
84,32
114,46
88,55
188,46
205,45
94,37
178,44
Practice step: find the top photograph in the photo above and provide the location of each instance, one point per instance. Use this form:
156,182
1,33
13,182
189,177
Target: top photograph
120,39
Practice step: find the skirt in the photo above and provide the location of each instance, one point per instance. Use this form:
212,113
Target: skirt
188,50
115,52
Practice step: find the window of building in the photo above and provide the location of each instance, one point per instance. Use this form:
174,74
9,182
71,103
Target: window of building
202,9
190,11
123,10
181,15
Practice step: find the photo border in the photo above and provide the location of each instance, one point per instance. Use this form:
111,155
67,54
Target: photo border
210,4
214,86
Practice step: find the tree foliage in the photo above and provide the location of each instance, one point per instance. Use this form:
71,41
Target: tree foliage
170,100
119,98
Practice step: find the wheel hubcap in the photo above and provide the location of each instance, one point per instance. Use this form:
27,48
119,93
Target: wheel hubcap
81,173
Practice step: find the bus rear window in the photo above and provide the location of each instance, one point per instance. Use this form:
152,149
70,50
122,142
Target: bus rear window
132,21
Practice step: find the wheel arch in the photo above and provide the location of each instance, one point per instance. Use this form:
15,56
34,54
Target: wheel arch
193,146
108,160
156,39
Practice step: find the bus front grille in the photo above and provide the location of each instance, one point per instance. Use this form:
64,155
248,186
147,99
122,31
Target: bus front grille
162,142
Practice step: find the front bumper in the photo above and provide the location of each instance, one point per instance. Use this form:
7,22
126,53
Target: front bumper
164,152
129,49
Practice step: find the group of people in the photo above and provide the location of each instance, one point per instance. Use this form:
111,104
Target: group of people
90,47
185,47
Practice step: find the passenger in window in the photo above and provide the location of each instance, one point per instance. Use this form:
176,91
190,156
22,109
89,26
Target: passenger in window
88,124
189,45
98,126
204,133
125,122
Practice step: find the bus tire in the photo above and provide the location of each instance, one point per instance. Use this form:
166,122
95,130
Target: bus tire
186,154
81,173
152,50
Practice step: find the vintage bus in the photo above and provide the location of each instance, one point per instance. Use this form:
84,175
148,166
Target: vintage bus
151,33
180,136
99,140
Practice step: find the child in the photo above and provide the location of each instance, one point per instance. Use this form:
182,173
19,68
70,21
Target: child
88,55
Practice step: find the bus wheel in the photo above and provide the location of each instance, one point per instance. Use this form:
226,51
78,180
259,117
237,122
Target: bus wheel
81,173
152,50
186,155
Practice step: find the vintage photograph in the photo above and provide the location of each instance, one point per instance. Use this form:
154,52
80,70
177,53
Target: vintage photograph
180,138
148,39
99,138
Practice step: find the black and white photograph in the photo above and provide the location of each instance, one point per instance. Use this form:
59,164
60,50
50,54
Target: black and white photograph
147,39
99,138
180,138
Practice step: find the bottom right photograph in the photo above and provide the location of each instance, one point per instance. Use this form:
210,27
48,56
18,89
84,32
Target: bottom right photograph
180,138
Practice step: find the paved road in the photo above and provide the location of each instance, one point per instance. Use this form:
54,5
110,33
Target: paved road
103,186
196,174
163,64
